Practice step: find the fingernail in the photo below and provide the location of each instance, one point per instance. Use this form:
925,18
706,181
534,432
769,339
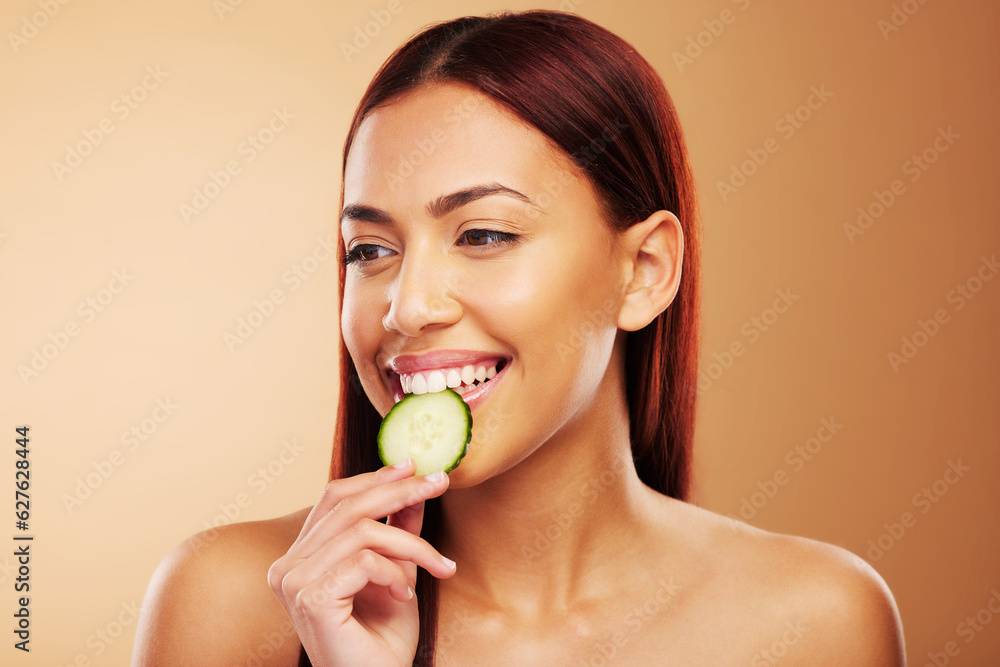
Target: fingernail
436,476
448,562
409,592
401,464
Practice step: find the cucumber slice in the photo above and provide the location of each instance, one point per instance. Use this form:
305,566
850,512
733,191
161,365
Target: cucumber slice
433,429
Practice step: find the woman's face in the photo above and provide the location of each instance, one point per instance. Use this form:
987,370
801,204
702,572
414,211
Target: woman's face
517,268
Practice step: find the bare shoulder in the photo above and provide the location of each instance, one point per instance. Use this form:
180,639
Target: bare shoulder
852,610
208,602
825,601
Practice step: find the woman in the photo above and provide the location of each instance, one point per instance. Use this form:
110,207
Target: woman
517,200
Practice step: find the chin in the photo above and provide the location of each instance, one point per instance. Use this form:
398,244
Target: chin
469,471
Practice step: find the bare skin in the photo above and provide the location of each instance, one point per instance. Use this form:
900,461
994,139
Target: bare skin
563,555
735,595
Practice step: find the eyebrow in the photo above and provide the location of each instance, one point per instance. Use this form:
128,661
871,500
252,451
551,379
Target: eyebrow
438,208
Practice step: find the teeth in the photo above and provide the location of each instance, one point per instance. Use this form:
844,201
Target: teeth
436,382
461,379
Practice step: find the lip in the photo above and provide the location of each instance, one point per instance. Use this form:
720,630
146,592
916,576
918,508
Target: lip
476,397
472,398
428,361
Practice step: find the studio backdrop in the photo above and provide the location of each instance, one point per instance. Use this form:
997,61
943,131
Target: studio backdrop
169,191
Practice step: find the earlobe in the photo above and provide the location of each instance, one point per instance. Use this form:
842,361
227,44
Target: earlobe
651,268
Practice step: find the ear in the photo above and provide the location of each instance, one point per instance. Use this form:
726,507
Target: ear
652,252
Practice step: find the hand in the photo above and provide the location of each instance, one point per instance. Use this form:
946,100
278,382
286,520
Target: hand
347,581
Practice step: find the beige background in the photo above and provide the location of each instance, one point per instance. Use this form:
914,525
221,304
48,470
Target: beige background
162,336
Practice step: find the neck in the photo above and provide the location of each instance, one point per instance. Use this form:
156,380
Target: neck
557,529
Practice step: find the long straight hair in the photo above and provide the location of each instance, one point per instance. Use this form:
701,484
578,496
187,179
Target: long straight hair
605,106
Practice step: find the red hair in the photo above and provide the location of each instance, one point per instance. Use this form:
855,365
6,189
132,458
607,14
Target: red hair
592,94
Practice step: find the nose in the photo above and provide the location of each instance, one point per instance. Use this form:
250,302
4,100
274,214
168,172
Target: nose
422,295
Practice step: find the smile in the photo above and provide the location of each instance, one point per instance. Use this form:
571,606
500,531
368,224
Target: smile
461,379
473,381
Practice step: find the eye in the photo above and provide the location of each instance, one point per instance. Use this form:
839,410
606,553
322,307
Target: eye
481,237
363,252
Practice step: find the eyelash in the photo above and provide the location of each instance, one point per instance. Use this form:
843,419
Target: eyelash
501,238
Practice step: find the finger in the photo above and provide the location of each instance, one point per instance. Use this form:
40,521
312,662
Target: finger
338,489
335,591
374,503
405,549
411,520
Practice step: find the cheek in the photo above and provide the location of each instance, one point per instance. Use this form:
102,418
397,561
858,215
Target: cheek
360,324
349,325
557,307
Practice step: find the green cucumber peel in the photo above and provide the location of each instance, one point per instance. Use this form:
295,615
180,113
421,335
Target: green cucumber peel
434,429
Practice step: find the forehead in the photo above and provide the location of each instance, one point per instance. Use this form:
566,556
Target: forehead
441,137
